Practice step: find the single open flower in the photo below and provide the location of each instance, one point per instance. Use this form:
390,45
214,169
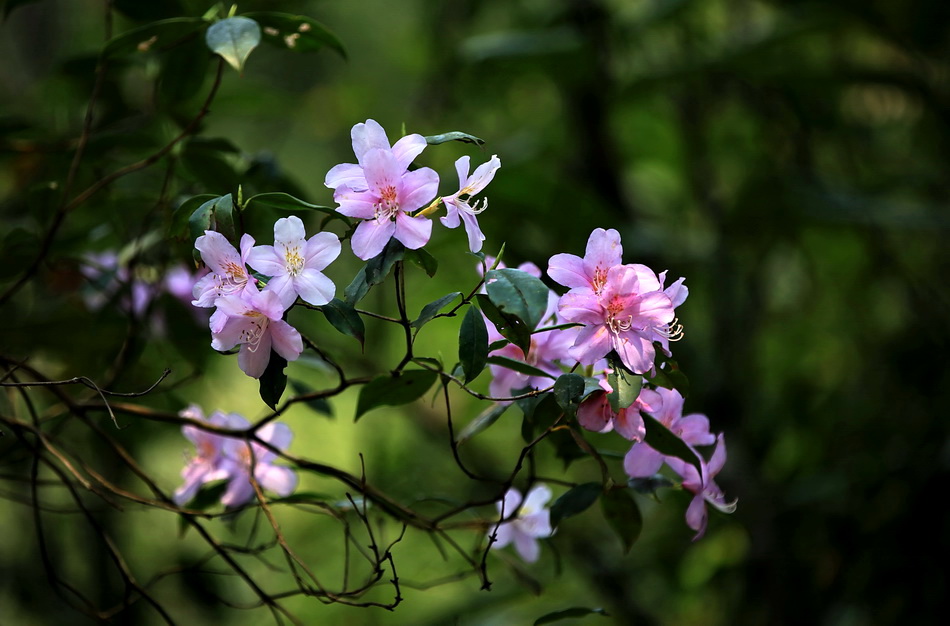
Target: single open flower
704,488
209,463
532,522
457,205
228,272
604,251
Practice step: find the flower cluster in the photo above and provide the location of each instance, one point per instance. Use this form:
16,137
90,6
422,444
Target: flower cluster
527,521
233,460
251,317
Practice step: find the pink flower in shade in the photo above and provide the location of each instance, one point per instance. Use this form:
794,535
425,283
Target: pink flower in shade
457,205
603,252
294,263
627,316
531,523
253,320
228,272
241,459
108,279
703,487
596,414
642,460
208,464
381,191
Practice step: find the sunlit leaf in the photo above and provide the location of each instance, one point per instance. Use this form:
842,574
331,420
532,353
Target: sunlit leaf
512,328
286,202
234,38
625,384
519,366
518,293
454,136
378,268
424,260
430,310
568,391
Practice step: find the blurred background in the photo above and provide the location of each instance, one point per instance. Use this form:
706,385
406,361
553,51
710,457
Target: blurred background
788,158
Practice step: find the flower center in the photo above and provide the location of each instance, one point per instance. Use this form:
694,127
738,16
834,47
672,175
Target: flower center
292,260
254,332
600,279
617,322
388,203
233,279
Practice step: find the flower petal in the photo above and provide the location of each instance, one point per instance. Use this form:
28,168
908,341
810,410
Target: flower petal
417,188
413,232
286,340
407,148
314,287
371,237
321,250
368,136
349,174
642,461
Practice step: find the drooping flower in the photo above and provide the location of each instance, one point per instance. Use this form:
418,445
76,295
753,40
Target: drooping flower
457,205
382,192
295,263
703,487
209,464
642,460
596,414
532,522
628,315
253,320
228,272
604,251
241,458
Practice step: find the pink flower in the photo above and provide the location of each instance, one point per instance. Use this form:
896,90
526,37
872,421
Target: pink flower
381,191
295,263
253,320
596,414
108,279
228,272
208,464
241,457
603,252
628,315
457,205
642,460
703,487
532,522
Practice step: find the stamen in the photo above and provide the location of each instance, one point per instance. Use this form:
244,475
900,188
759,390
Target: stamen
674,330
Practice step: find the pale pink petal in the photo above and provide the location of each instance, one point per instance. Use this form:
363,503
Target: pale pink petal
636,353
408,148
247,243
368,136
216,251
581,305
382,170
286,340
358,204
536,524
504,535
253,360
657,306
276,434
527,547
321,250
696,516
647,278
283,286
510,503
371,237
462,165
475,236
677,292
280,480
314,287
239,491
594,413
718,457
642,461
413,232
230,331
349,174
593,343
267,261
482,175
289,231
603,249
417,188
451,217
537,497
694,430
568,270
629,424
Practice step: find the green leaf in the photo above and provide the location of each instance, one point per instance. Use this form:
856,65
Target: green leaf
320,405
273,380
303,497
568,391
485,419
577,611
378,268
455,135
473,344
234,38
285,202
158,35
424,260
208,495
519,366
565,446
576,500
358,288
665,442
206,161
625,384
344,318
650,484
215,214
430,310
518,293
512,328
297,33
179,226
17,253
623,515
183,72
409,385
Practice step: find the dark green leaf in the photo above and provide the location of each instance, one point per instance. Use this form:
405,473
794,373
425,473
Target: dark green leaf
179,225
155,36
273,380
624,383
424,260
285,202
207,162
234,38
518,366
378,268
430,310
569,390
512,328
518,293
208,495
576,500
298,33
320,405
565,445
487,417
394,390
623,515
455,135
18,252
650,484
473,344
498,345
183,72
216,214
344,318
358,288
665,442
576,611
303,497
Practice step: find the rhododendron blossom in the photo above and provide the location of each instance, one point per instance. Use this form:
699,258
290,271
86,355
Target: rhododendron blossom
208,464
381,191
294,263
253,321
228,272
604,251
703,487
596,414
457,205
531,523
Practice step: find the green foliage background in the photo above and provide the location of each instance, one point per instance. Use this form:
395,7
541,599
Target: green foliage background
789,158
